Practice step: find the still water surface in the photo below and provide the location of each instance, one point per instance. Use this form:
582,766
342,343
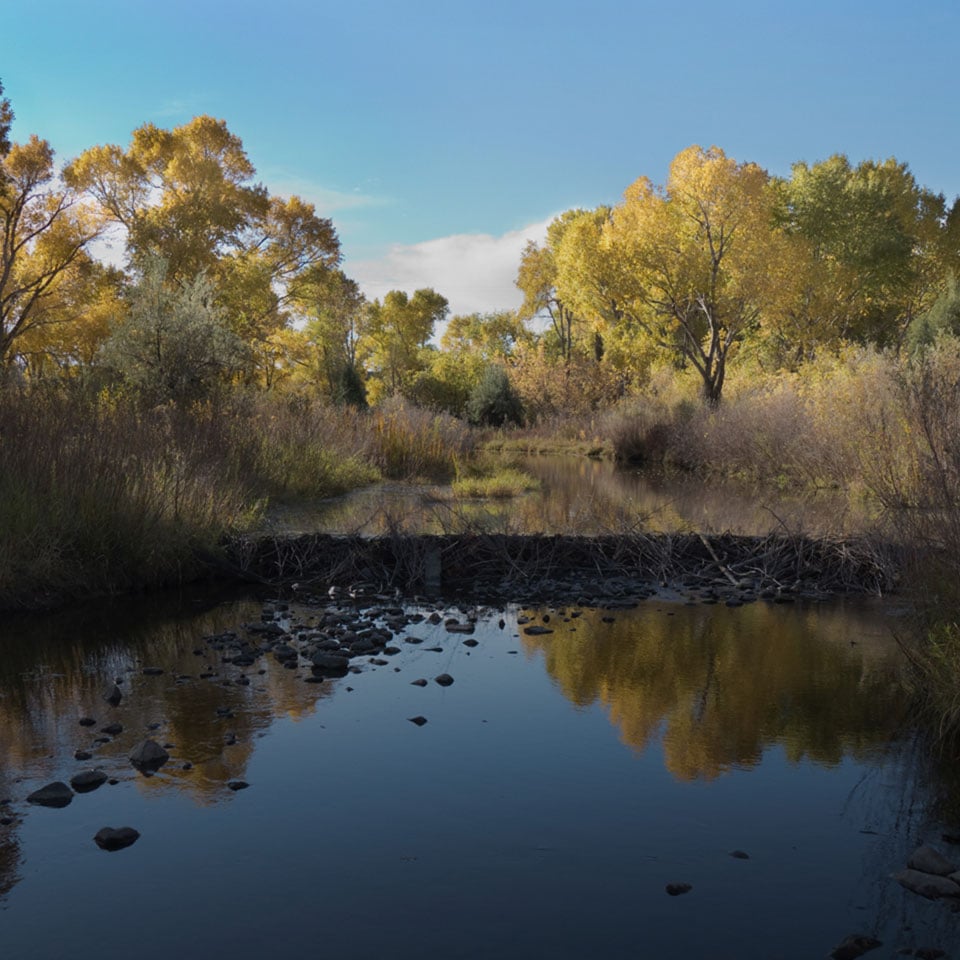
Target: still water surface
580,495
558,785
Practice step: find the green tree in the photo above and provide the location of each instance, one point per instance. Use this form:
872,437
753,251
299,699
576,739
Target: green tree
494,402
869,253
394,334
174,343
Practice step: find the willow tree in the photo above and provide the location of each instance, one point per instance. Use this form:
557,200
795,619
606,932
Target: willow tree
696,260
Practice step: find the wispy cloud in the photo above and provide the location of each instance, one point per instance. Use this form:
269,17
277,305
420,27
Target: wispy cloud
474,271
327,200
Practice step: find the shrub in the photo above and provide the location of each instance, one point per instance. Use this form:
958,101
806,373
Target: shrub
494,402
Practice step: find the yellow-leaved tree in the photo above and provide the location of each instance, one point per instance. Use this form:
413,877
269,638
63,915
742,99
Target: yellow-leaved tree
45,229
695,263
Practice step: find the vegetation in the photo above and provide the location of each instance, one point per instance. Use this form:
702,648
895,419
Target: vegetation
797,330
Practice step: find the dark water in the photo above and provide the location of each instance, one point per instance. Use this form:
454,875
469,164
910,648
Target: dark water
581,495
559,784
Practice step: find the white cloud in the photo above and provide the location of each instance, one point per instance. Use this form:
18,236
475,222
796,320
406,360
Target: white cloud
474,271
327,200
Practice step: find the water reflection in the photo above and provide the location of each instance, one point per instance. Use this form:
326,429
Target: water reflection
580,495
779,715
721,687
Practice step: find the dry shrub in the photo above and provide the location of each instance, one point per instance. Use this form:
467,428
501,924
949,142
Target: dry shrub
412,442
550,388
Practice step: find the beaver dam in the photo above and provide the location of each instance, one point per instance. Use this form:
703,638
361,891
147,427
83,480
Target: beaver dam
728,568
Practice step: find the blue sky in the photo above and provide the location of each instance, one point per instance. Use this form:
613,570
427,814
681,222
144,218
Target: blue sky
439,136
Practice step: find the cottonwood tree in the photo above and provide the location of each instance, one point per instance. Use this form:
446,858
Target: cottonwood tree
870,250
45,230
695,260
188,196
537,280
394,334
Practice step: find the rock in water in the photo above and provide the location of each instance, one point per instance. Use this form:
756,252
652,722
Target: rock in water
928,885
238,785
444,679
856,945
148,755
110,838
88,780
928,860
113,695
675,889
419,721
56,794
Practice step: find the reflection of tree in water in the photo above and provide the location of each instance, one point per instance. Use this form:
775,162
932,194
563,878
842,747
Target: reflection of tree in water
54,669
724,685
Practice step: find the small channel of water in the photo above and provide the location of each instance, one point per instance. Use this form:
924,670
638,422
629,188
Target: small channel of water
557,786
580,495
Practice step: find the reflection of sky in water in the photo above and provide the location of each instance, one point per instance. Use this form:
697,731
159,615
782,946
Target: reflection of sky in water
586,496
558,785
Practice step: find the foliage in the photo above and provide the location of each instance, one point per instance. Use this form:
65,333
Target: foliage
174,343
416,443
46,231
393,335
493,401
497,484
942,319
188,196
694,262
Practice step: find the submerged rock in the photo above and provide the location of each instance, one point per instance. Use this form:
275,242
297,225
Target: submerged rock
88,780
929,885
56,794
928,860
676,889
110,838
148,755
444,679
856,945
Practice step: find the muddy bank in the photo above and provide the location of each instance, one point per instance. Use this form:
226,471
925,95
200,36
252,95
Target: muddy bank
724,568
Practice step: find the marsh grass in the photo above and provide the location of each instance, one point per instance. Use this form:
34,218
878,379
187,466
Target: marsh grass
500,483
412,443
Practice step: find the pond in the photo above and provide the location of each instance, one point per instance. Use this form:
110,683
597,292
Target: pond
581,760
587,496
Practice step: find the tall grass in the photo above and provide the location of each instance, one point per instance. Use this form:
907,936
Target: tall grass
99,495
412,443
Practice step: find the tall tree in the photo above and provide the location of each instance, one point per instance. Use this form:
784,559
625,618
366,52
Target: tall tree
537,280
188,196
395,332
45,230
869,249
694,258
